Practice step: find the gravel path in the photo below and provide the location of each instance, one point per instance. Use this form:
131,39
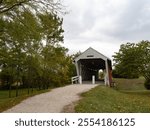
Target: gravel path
53,101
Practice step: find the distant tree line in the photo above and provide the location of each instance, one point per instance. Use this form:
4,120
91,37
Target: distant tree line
31,55
132,61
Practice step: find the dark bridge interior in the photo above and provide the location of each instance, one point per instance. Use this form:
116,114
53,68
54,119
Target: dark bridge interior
91,67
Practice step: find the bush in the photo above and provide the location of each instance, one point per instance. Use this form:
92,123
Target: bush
125,75
147,84
115,74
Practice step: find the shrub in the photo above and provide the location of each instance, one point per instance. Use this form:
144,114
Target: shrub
147,84
125,75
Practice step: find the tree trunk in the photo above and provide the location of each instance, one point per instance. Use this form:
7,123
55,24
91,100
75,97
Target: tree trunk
17,89
9,91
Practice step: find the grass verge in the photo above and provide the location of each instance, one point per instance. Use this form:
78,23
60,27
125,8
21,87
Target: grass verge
108,100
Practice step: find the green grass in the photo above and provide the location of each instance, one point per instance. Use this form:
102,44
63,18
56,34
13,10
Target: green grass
130,84
6,102
129,96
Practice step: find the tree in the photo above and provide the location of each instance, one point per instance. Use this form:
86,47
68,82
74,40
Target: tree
133,60
144,58
55,65
126,61
15,38
24,59
144,61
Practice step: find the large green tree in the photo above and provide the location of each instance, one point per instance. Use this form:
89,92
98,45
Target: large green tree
21,39
144,61
143,50
125,61
133,60
30,50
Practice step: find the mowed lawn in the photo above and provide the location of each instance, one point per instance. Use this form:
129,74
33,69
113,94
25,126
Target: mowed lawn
6,102
128,96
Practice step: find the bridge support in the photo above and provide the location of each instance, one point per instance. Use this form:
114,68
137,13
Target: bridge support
80,79
93,79
88,65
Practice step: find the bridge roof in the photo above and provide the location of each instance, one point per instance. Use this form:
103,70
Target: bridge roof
91,53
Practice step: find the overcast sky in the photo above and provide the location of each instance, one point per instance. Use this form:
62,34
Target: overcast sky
105,24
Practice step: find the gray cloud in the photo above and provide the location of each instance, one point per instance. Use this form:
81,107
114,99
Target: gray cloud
133,23
101,23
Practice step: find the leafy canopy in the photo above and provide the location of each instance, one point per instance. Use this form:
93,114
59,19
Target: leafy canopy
133,60
30,50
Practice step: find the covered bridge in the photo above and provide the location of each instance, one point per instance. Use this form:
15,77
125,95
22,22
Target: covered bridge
89,64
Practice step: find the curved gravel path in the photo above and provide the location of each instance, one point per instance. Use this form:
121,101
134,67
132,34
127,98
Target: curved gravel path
51,102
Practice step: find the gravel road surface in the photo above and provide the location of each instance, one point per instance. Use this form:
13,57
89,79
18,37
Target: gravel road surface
53,101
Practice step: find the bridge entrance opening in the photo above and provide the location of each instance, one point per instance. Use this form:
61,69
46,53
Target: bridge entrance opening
90,67
92,63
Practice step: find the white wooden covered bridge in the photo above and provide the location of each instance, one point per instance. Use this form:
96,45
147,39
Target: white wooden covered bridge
88,65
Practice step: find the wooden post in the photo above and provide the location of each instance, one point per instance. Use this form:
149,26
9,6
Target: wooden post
80,79
93,79
107,73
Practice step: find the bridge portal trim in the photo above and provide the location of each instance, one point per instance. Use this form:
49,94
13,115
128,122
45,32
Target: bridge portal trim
90,62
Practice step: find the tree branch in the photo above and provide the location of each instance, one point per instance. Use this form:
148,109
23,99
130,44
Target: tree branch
6,9
1,1
42,5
